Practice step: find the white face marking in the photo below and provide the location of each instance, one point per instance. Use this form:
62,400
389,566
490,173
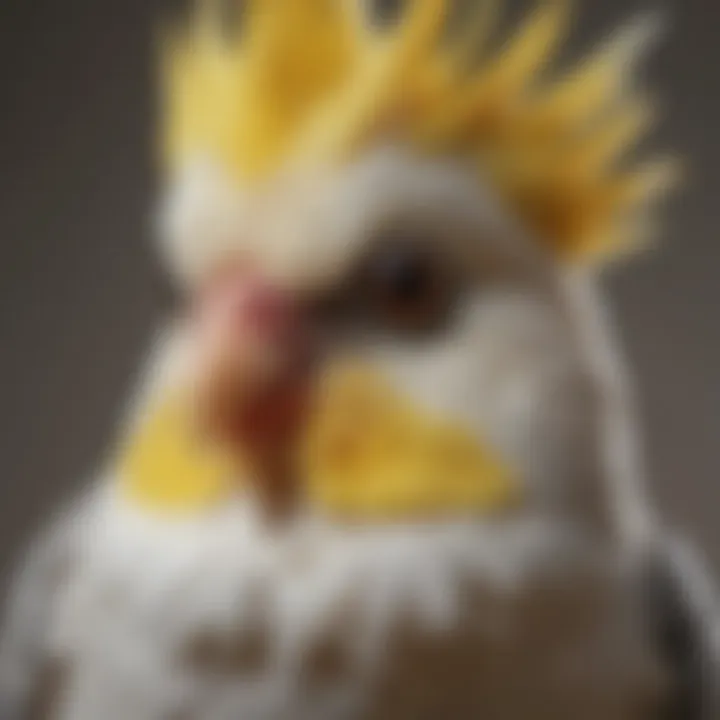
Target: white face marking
308,228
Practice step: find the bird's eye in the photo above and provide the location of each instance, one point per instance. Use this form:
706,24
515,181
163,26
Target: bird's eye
406,286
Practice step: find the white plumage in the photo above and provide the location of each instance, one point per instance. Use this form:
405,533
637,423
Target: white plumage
535,613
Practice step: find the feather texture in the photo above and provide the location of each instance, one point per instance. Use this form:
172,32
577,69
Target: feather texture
309,84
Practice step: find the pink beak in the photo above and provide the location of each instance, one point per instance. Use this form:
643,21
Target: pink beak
253,372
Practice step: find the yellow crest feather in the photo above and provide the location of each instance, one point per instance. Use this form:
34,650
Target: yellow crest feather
307,82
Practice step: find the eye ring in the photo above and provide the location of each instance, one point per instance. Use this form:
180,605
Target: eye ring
406,285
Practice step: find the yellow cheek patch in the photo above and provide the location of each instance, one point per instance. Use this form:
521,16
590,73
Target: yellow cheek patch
166,465
367,454
372,454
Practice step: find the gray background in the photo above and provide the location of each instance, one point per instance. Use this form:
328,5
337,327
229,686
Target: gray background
80,290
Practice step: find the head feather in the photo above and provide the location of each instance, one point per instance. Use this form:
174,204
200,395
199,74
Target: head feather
308,83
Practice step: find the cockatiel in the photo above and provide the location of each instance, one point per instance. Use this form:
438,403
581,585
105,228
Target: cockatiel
383,463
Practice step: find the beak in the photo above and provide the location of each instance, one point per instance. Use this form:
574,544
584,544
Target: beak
253,373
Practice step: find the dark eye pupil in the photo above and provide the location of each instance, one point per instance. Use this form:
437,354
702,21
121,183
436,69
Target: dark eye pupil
403,277
406,286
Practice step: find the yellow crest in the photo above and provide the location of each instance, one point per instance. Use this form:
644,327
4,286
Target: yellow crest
311,82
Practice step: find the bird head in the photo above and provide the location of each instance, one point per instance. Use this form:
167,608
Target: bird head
386,236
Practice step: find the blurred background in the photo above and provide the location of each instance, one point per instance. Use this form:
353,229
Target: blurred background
81,289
